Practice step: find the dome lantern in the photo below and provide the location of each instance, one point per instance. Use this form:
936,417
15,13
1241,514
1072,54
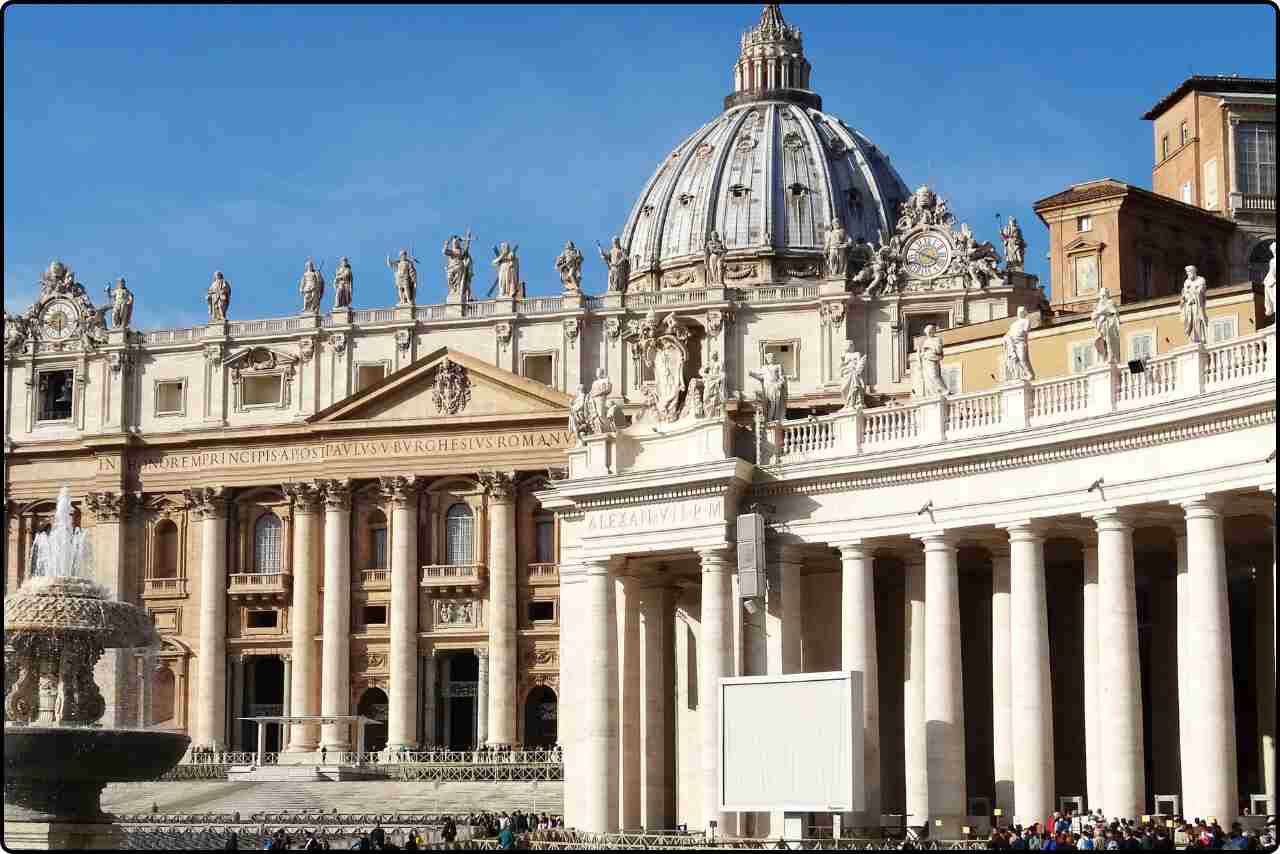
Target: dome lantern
771,64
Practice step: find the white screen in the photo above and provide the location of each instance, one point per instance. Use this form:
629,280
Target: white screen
789,742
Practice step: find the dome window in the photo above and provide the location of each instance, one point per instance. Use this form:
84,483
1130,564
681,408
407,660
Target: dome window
647,210
798,190
793,140
685,198
738,190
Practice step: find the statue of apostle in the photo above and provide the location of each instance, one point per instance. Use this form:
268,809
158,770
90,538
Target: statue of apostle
1017,355
218,298
508,264
1269,284
619,266
773,382
121,304
1106,324
835,249
1195,318
931,363
713,256
457,269
343,283
311,287
569,266
853,385
1015,248
406,270
712,387
599,408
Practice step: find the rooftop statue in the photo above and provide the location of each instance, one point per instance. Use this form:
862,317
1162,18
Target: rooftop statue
569,266
712,387
615,258
932,384
836,250
1017,355
1015,247
1269,284
218,298
507,261
773,384
312,288
1106,323
121,304
979,259
343,281
853,383
713,256
600,391
16,332
406,277
1194,310
457,269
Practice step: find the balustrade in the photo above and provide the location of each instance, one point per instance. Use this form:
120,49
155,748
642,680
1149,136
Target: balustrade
375,578
973,412
544,573
164,587
258,583
1240,359
1059,399
540,305
447,575
1159,379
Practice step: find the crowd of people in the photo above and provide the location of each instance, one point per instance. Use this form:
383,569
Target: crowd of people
1095,832
510,829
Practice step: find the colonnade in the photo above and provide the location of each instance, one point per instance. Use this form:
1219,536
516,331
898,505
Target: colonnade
319,674
600,785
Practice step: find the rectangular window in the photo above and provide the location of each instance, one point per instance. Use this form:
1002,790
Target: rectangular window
1186,194
1256,158
1146,276
262,391
544,541
262,619
787,354
542,612
951,378
375,615
169,397
1222,329
378,558
1211,184
1184,133
367,375
1082,356
540,368
57,388
916,324
1084,223
1086,274
1142,345
1164,146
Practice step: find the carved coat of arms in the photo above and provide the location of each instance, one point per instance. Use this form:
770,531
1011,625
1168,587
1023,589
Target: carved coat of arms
452,391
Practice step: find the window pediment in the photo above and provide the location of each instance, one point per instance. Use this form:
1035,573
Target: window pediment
1081,245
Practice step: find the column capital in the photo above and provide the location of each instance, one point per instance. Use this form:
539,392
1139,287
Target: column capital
714,559
1201,506
306,496
482,653
1025,530
499,486
786,553
111,506
936,540
400,490
595,566
1111,519
337,493
209,502
853,549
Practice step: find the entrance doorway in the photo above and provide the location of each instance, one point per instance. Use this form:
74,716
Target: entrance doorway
264,695
540,712
373,704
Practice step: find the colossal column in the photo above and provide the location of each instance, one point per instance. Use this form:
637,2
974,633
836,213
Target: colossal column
599,732
502,607
1119,680
1207,666
916,772
1029,659
1094,735
943,683
1002,742
655,635
402,492
429,700
716,661
211,667
336,642
304,616
482,696
784,629
287,660
858,652
111,512
629,701
1265,670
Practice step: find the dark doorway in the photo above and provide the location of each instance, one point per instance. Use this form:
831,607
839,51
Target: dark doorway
373,704
264,695
540,712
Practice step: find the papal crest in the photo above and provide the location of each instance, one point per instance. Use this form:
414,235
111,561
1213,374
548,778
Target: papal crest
452,391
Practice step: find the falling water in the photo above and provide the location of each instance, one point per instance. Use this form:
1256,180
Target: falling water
64,551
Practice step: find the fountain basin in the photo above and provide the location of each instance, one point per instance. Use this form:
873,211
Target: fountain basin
57,773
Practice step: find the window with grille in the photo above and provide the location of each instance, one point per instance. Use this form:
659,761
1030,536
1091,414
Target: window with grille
1082,356
1142,345
1146,276
1222,329
544,541
56,391
266,543
378,547
1256,158
459,535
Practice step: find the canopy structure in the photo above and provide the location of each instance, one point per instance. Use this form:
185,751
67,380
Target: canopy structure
359,721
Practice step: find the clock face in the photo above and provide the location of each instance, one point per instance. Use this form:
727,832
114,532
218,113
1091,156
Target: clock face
59,321
927,256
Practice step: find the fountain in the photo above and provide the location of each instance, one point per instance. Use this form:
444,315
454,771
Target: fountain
57,758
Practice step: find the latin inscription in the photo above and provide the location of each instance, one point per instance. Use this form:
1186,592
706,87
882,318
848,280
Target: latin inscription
347,450
657,517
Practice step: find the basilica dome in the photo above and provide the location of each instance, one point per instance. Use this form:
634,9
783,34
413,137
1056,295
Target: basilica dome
769,174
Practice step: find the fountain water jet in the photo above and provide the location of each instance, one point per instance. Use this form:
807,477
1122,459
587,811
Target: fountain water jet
57,758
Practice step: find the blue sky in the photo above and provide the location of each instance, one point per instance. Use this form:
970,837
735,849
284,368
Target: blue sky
162,143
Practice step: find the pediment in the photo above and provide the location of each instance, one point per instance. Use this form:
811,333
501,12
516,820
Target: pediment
1080,244
446,384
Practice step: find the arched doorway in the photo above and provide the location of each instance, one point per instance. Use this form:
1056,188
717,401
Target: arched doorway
540,713
373,704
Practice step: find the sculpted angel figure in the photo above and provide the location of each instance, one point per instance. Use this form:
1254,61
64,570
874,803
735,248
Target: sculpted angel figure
508,264
615,258
15,332
1106,323
569,266
1017,356
713,256
836,250
773,382
218,298
406,271
1015,248
1195,319
121,304
311,286
881,262
1269,284
457,269
931,363
712,387
600,391
853,384
343,281
579,415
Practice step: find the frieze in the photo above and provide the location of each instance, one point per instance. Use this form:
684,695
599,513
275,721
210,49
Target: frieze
657,517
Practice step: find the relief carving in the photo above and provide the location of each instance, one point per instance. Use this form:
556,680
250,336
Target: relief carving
455,612
452,390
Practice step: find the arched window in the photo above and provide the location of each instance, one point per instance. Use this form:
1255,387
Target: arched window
459,535
544,538
377,540
266,543
166,553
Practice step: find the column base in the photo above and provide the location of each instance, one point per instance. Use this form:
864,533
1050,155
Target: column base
948,826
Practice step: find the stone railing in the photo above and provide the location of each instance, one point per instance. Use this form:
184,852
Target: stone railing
429,312
164,587
544,573
485,308
540,305
777,293
450,575
270,326
1179,374
1252,202
373,315
375,579
259,583
173,336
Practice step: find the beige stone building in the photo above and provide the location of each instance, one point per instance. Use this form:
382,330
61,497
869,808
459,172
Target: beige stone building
512,521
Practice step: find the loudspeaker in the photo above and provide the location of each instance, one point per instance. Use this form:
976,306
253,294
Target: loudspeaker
751,556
